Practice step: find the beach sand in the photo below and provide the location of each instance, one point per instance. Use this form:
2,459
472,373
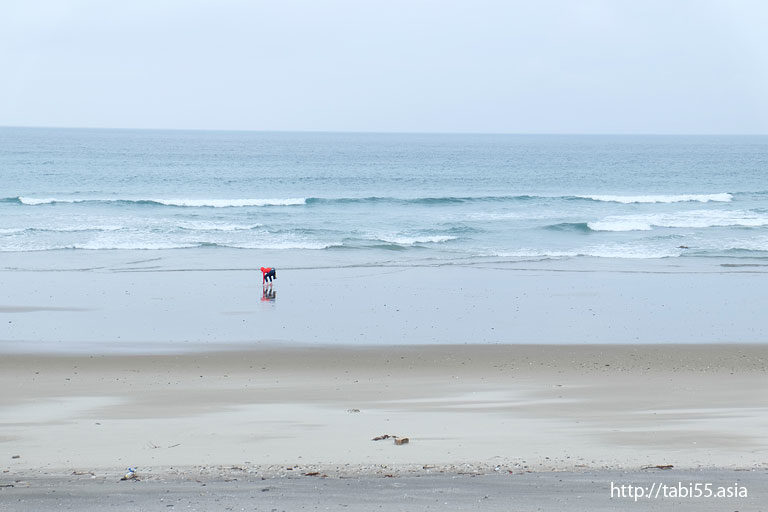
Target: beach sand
498,491
581,373
519,407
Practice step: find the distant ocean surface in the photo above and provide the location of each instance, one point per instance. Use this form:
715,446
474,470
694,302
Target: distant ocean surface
380,197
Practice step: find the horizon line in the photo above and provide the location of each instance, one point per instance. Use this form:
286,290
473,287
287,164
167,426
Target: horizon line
385,132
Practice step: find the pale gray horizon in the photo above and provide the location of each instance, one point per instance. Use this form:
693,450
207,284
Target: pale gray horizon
592,66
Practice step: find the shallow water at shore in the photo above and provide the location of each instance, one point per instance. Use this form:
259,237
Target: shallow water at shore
134,302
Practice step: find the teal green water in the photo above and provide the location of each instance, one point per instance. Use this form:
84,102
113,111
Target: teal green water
378,197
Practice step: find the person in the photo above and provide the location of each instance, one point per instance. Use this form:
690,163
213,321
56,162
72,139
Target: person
268,273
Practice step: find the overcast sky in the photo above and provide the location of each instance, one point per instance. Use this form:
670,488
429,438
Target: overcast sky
537,66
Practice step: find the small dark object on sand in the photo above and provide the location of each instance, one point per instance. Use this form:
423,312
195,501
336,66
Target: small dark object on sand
130,475
16,457
682,247
662,466
398,440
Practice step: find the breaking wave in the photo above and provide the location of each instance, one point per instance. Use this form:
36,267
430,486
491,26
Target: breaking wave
194,203
691,219
440,200
681,198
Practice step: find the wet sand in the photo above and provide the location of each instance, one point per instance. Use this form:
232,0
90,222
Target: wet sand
516,407
498,491
125,302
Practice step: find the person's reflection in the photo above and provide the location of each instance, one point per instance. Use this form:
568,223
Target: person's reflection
269,294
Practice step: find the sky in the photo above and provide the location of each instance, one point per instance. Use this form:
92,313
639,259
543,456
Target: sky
479,66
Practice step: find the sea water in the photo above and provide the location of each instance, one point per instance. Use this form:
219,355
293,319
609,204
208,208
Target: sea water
375,198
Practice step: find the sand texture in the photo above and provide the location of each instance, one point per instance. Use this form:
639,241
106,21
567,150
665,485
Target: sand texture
316,409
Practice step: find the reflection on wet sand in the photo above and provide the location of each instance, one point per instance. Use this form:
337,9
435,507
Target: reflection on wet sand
269,294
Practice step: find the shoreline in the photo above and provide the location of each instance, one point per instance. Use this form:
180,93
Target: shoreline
125,303
521,407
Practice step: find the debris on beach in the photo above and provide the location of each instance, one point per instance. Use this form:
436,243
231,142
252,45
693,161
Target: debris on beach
353,410
661,466
16,457
398,440
130,475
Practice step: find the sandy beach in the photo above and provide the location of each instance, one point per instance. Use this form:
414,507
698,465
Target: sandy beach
381,256
185,374
578,416
498,491
519,407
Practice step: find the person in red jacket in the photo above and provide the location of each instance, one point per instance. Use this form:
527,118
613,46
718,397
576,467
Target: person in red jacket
268,273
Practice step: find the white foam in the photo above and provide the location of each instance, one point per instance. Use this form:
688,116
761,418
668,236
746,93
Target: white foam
33,201
617,224
623,252
212,226
690,219
228,203
82,227
630,252
754,244
96,245
527,215
215,203
144,245
277,245
531,253
702,198
436,239
61,229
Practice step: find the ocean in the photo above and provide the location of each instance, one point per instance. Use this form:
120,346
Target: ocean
374,199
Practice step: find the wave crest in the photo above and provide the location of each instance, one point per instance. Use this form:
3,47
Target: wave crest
195,203
691,219
724,197
435,239
426,200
